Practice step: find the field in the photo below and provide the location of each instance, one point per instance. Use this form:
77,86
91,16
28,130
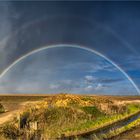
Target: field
62,115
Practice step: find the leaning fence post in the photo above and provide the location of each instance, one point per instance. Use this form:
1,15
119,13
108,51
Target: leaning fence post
62,136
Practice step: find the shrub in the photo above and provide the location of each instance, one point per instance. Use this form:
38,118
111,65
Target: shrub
10,131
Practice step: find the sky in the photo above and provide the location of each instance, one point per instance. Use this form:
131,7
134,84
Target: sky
110,28
65,69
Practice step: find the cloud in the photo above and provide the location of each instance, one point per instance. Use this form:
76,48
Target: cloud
110,80
99,86
94,88
89,88
102,65
89,79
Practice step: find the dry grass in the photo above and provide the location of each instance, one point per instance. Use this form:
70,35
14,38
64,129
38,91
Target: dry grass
65,113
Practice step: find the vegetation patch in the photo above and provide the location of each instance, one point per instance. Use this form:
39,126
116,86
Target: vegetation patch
2,110
10,131
66,114
93,110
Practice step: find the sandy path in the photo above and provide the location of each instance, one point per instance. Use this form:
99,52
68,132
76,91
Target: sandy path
6,117
13,110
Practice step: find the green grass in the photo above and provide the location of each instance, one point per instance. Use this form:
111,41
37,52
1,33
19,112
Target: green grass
101,121
93,110
133,107
122,129
87,98
68,120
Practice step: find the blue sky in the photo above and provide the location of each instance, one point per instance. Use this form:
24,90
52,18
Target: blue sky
110,28
65,70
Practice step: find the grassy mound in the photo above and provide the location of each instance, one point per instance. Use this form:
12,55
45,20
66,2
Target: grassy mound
69,100
57,120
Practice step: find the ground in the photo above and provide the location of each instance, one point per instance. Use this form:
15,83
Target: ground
69,108
14,104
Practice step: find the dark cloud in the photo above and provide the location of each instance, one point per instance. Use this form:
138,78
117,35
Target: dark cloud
110,80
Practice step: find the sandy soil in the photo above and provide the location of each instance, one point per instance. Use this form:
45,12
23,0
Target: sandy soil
12,109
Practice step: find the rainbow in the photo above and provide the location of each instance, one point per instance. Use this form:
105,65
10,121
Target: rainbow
73,46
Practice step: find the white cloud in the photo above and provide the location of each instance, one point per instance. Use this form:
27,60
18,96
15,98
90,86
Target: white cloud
93,88
89,78
89,88
99,86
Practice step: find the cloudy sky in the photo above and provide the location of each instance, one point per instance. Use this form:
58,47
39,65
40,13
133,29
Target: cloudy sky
110,28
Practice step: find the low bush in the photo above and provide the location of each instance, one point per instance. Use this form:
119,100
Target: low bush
10,131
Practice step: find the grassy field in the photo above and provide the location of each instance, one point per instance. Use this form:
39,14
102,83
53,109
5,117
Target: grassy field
52,116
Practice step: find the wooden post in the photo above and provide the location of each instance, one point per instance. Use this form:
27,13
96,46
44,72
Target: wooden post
62,136
18,117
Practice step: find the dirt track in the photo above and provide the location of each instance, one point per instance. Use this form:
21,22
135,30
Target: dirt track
12,110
